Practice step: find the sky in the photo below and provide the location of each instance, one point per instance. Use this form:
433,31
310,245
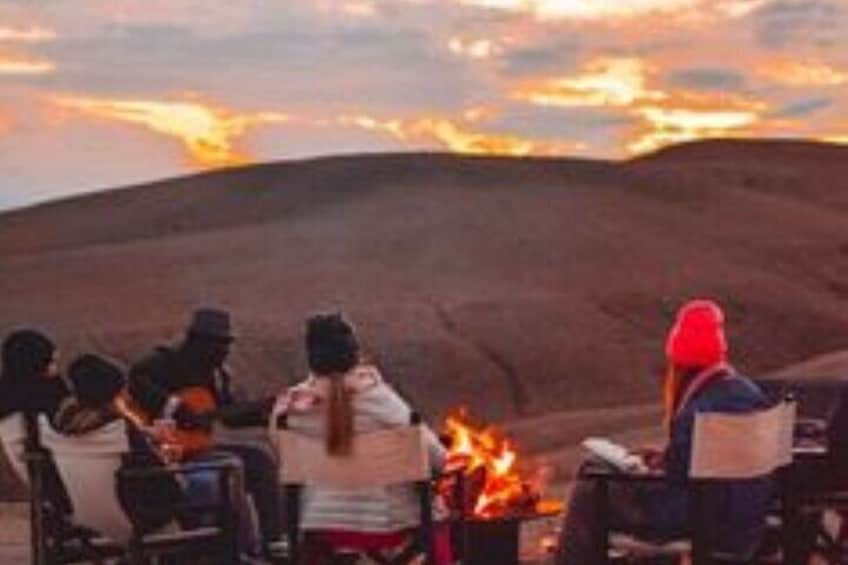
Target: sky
103,93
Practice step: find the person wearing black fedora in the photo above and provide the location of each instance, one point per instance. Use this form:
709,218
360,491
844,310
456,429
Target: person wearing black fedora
159,383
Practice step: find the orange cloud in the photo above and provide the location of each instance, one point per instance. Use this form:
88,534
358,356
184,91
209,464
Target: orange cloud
838,139
802,73
617,82
669,126
665,117
207,132
689,116
457,137
24,65
32,34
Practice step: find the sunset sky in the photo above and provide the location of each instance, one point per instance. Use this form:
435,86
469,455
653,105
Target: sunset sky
102,93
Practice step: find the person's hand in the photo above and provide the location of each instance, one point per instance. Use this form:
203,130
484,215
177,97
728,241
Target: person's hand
653,458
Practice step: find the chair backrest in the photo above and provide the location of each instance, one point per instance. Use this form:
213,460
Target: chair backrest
742,445
385,457
12,441
88,466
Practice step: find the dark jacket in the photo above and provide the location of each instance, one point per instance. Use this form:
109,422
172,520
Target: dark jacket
736,509
168,370
41,396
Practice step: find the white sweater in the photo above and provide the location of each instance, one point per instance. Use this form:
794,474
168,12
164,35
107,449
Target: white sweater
376,406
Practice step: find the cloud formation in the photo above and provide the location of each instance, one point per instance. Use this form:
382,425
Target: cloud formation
24,65
207,132
802,73
602,82
457,136
553,77
617,9
31,34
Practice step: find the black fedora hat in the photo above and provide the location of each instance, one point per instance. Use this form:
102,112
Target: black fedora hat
211,323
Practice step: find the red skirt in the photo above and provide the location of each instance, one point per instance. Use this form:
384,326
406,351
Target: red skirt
319,544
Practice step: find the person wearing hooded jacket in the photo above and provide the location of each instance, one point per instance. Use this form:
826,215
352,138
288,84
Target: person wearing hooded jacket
699,379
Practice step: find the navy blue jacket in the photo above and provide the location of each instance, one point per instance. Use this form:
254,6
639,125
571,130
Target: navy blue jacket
736,509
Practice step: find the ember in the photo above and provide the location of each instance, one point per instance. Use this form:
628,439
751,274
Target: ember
496,488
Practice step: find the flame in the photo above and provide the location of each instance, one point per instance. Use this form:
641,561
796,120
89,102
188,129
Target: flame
802,73
23,65
206,131
32,34
484,452
617,82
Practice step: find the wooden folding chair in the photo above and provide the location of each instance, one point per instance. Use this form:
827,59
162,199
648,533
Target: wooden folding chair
725,447
381,458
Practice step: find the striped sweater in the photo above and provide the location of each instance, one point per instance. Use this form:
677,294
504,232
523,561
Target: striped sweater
376,406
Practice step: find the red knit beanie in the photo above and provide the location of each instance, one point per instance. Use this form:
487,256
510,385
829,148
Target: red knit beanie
697,338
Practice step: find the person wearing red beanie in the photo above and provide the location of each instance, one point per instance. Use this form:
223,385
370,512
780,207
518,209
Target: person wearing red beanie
695,342
698,379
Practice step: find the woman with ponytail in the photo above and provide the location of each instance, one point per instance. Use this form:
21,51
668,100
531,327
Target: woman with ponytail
698,379
342,397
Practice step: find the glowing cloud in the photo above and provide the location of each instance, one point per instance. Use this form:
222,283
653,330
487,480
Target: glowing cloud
585,9
207,132
474,49
32,34
802,73
457,137
614,82
666,126
23,65
619,9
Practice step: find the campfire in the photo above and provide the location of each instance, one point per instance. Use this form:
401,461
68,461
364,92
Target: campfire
497,485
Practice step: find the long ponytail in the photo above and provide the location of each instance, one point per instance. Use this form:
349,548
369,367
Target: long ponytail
339,428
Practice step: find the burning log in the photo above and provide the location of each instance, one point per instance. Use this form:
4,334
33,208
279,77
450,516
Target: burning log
495,488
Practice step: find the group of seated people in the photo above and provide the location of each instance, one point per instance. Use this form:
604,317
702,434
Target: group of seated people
186,387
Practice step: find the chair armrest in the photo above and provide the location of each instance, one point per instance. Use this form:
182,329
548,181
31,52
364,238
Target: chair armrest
601,471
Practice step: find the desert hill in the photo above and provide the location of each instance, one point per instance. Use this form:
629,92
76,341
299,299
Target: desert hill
518,286
536,290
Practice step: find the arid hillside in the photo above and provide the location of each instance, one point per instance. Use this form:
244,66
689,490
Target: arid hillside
520,287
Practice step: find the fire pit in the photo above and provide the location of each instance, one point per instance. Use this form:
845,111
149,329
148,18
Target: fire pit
493,494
